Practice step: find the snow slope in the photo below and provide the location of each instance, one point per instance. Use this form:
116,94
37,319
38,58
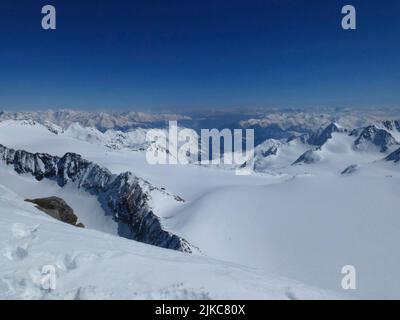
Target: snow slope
303,221
307,229
93,265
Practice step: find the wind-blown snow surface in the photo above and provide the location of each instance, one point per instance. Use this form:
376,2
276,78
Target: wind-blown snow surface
303,221
93,265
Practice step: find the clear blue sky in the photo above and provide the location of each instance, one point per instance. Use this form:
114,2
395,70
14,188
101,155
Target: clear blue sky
164,54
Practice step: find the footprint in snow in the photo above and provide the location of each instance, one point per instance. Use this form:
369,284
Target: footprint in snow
18,247
290,294
71,261
22,231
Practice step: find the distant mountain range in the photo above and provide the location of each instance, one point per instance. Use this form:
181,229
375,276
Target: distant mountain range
295,136
102,121
319,182
268,124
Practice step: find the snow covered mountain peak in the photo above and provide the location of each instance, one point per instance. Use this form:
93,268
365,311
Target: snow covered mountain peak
46,125
375,136
323,135
391,125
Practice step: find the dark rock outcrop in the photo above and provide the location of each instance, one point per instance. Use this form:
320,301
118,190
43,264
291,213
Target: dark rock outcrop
378,137
322,136
272,151
308,157
394,156
121,196
350,169
58,209
391,125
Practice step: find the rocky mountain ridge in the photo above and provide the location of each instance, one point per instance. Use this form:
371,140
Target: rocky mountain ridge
121,196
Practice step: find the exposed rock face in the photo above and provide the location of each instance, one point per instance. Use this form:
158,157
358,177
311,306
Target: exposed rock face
379,137
58,209
120,195
308,157
303,138
392,125
350,169
322,136
394,156
272,151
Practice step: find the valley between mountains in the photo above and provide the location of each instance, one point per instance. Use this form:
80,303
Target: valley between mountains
319,198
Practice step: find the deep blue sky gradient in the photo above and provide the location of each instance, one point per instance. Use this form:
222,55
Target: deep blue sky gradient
185,54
